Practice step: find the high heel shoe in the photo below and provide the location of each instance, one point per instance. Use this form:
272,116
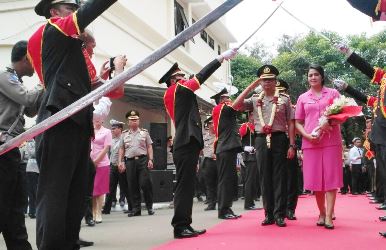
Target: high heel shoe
328,226
320,222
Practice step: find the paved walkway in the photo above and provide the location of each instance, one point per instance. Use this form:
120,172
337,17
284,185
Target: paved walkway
144,232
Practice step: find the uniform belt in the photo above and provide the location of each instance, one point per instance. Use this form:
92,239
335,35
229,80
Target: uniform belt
272,134
135,157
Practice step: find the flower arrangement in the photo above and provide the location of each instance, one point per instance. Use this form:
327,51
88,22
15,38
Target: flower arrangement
337,112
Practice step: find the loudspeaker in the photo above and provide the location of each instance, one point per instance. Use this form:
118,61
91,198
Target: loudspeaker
158,134
162,185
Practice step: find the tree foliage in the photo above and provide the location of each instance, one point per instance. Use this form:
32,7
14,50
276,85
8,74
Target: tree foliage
295,54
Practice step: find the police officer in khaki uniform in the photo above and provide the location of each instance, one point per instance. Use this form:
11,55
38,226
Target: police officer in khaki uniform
13,96
272,117
136,156
209,166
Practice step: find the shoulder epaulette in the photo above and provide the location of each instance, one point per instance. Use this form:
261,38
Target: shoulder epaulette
143,129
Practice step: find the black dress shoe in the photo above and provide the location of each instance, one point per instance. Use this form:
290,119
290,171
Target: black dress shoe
382,218
382,207
280,222
227,216
383,234
291,215
184,233
268,221
251,208
375,202
199,232
90,222
105,212
236,215
210,207
132,214
83,243
150,211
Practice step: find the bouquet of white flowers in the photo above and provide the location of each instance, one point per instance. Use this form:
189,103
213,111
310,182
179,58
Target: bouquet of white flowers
337,112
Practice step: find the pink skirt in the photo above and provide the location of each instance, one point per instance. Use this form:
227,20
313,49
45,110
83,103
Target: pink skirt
322,168
102,181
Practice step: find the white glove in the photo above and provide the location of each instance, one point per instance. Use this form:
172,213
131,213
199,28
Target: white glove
339,84
343,48
229,54
249,149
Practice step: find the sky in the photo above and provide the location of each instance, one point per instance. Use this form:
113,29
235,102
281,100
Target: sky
331,15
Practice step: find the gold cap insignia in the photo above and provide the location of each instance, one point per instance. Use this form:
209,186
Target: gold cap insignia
132,113
266,70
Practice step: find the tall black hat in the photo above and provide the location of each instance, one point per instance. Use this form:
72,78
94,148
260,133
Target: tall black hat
43,7
217,97
369,7
174,70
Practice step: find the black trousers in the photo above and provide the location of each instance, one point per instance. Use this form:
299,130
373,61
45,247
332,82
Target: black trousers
138,178
227,180
63,156
89,192
32,184
292,183
356,172
210,174
346,180
371,176
380,156
379,187
272,164
115,179
13,200
251,183
186,160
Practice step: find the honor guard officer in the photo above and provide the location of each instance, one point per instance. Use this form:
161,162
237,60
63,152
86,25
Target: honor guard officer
293,165
181,105
136,156
209,164
378,131
226,145
251,183
272,114
63,151
15,102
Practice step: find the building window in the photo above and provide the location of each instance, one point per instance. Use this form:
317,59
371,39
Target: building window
180,21
219,49
204,36
211,42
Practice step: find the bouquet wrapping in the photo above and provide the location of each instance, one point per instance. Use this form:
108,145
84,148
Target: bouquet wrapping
337,112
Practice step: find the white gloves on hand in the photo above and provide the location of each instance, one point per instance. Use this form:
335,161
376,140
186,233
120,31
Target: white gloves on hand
343,48
340,84
229,54
249,149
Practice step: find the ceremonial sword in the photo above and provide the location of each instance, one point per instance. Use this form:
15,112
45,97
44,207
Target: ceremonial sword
121,78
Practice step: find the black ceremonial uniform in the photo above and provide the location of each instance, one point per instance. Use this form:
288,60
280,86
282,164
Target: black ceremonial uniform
63,151
227,145
378,131
181,105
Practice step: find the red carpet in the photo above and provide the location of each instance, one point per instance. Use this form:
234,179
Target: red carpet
356,227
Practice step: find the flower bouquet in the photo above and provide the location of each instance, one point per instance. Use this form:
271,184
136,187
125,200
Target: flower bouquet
337,112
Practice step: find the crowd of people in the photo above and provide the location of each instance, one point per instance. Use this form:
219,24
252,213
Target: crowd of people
73,168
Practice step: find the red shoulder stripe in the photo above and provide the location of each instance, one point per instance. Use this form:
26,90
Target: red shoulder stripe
192,84
34,52
67,25
216,114
169,101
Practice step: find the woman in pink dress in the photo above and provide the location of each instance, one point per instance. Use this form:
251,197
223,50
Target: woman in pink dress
322,155
100,145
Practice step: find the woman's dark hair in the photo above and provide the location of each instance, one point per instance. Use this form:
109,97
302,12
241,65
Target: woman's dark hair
318,68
